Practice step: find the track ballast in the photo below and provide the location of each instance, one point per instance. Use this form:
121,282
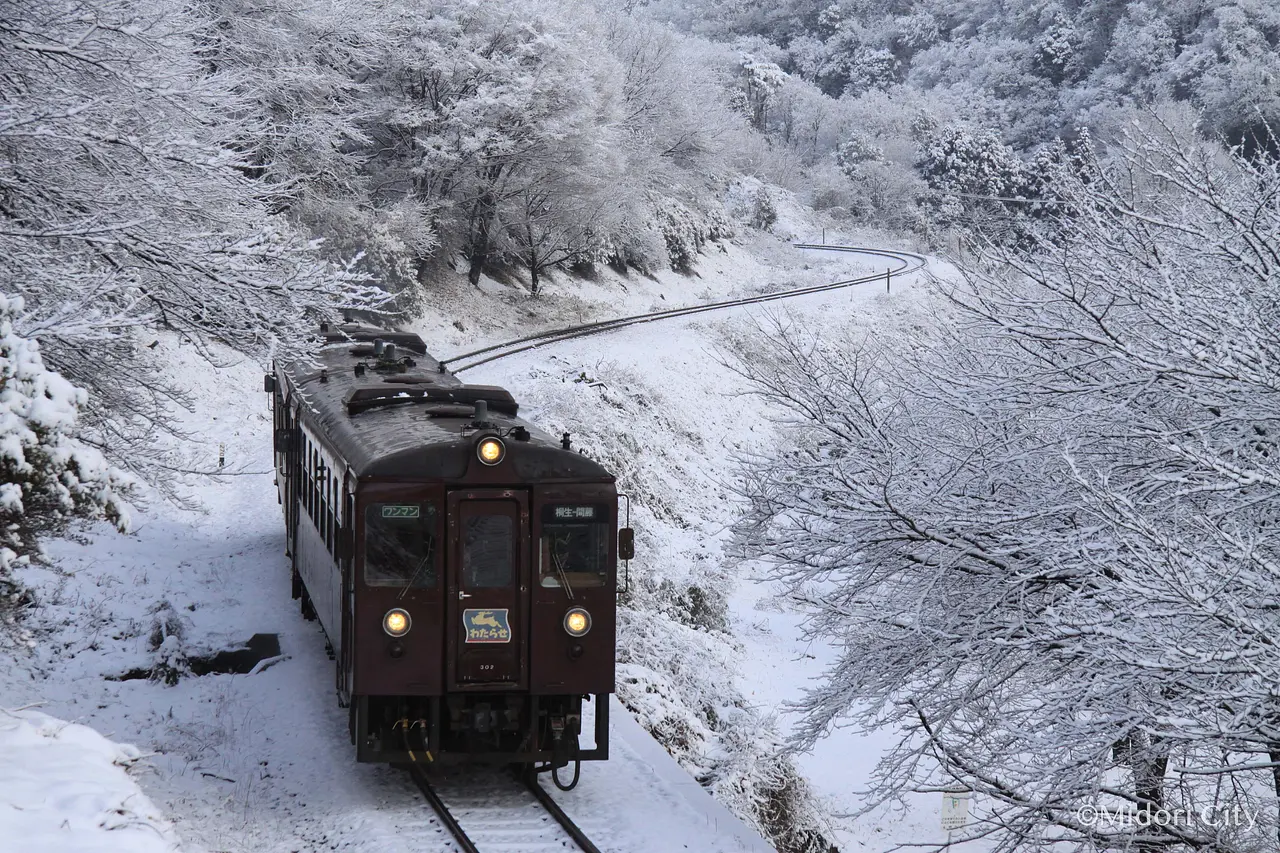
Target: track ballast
495,810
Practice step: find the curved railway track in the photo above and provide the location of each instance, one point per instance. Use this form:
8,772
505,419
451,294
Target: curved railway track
908,262
512,812
505,812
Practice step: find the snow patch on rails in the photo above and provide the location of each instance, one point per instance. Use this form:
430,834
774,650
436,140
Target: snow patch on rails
908,262
506,814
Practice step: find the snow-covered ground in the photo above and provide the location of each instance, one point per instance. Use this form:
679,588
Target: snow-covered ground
261,762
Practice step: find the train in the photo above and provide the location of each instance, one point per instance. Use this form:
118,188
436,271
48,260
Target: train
461,562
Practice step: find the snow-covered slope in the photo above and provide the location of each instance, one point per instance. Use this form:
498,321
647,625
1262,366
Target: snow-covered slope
64,787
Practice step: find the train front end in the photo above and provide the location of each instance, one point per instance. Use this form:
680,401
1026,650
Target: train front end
483,600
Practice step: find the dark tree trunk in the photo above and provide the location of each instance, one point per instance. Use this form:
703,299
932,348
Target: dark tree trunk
1150,762
1274,754
482,215
477,258
533,259
478,254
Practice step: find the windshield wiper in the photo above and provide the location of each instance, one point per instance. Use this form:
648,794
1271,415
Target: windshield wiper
413,577
559,562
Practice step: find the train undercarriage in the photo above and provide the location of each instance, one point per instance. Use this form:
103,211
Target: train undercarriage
498,728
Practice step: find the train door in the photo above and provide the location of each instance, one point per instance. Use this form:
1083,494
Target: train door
286,447
486,591
346,560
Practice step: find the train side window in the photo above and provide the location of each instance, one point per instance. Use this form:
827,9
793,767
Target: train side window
333,512
400,545
329,510
486,551
306,478
573,550
311,481
325,513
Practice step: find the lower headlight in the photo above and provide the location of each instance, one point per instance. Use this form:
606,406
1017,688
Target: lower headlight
577,622
397,622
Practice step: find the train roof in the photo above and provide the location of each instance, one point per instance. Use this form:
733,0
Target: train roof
399,414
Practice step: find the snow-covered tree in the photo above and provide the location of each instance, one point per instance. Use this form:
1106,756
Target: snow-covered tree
124,206
308,75
761,81
46,475
478,104
1042,532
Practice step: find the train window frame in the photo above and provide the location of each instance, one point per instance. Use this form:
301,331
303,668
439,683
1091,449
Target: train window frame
333,513
315,492
308,478
600,528
326,514
311,481
428,579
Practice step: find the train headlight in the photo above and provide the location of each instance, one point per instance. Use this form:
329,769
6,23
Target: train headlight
577,622
397,622
491,450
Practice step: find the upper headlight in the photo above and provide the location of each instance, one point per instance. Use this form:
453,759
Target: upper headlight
491,450
577,622
397,622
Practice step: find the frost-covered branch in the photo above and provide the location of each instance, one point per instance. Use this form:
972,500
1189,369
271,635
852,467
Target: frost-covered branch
1043,536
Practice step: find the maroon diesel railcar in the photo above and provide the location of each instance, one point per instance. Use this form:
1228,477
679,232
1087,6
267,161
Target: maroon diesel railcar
461,562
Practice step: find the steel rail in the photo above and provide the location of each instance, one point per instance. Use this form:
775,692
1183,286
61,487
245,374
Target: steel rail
442,811
544,799
909,262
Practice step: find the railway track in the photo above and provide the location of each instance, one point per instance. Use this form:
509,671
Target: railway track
506,812
908,262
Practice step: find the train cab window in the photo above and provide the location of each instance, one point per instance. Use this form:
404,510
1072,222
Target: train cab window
574,548
486,551
400,544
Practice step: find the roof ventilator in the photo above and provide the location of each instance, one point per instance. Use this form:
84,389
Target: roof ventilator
386,359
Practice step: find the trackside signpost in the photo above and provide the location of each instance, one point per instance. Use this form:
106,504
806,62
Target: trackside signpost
955,811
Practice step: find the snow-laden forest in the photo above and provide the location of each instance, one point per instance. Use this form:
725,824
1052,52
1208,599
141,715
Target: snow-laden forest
1037,523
